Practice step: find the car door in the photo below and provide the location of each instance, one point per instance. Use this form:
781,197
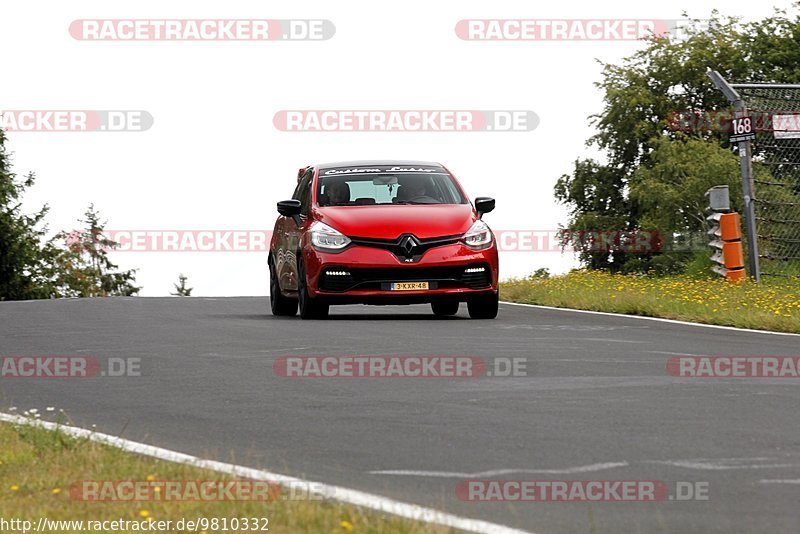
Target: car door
292,234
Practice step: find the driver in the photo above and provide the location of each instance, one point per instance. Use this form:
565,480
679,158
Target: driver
412,189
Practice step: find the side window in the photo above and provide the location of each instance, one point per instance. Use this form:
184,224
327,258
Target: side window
304,191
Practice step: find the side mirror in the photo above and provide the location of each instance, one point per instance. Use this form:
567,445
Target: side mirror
484,205
290,208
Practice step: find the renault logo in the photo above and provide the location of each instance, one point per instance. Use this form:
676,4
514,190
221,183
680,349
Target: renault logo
408,244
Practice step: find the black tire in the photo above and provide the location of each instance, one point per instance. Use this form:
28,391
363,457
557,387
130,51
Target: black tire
444,309
280,305
484,307
309,307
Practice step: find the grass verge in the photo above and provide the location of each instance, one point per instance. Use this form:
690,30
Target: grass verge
38,467
771,305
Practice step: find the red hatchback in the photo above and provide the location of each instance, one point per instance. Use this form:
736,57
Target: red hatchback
382,232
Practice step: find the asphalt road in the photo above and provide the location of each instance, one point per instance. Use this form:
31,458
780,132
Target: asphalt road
596,404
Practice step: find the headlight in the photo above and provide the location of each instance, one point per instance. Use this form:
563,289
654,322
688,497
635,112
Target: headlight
479,236
326,238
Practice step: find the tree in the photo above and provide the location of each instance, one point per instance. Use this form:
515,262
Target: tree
594,195
180,288
33,267
25,256
83,269
670,191
645,156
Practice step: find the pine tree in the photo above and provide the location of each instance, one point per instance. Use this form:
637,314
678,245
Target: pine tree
84,269
25,256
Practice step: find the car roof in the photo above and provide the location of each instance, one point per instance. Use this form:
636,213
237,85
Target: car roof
377,162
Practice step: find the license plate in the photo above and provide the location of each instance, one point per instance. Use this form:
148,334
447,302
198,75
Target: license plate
408,286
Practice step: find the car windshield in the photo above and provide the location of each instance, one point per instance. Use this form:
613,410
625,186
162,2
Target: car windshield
392,185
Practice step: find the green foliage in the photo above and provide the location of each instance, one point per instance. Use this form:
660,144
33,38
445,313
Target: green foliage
594,195
670,192
699,265
542,272
180,288
653,176
45,441
33,267
773,304
25,257
83,268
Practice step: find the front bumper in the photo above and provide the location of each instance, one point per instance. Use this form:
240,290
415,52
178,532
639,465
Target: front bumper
362,275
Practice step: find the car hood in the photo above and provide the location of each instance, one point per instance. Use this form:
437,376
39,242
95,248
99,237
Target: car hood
391,221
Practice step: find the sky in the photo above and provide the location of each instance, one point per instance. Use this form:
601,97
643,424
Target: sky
211,155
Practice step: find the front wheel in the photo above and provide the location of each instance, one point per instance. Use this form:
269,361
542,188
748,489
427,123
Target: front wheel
484,307
309,308
280,305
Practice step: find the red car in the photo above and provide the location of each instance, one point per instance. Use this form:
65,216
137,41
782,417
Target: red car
382,232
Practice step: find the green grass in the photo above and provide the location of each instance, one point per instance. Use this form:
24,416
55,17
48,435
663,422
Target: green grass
38,467
772,305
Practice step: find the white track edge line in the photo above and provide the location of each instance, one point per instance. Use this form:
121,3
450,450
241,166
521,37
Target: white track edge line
338,493
660,319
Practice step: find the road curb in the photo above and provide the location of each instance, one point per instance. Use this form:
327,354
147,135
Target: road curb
338,493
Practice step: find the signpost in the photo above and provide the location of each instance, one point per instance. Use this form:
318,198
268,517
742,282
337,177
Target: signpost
742,129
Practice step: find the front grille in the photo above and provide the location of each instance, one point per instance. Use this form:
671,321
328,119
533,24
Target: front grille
407,247
374,278
328,282
477,279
